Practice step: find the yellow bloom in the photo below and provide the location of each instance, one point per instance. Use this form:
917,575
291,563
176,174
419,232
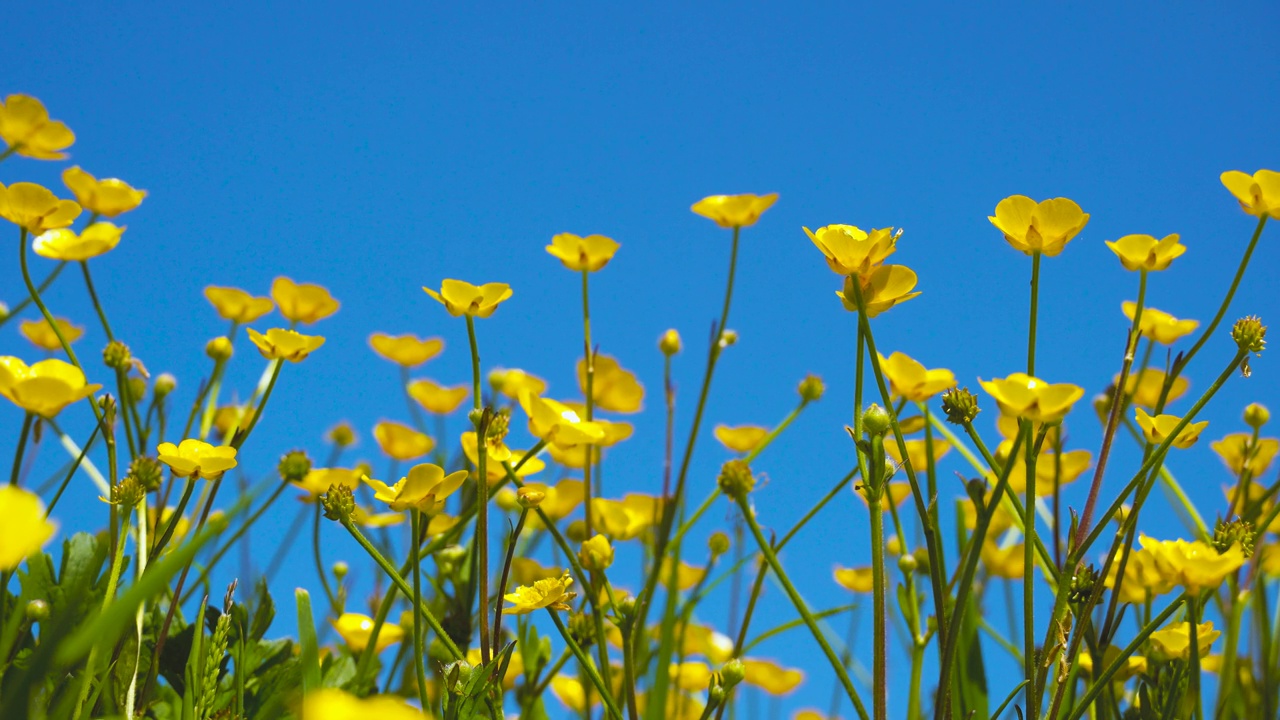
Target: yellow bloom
365,518
108,197
575,456
1133,665
1045,227
26,127
304,303
613,387
812,714
850,250
1174,641
405,350
691,676
197,458
625,519
686,575
550,592
1144,252
33,207
729,211
918,452
513,382
1259,194
1144,386
1073,464
525,571
1142,579
463,298
425,488
493,466
41,334
436,398
740,439
401,442
289,345
1193,565
44,388
1007,562
588,253
355,629
557,423
909,379
318,480
1159,326
334,704
1157,428
237,305
886,286
64,244
1031,398
1240,454
859,580
596,553
772,677
228,418
25,529
702,640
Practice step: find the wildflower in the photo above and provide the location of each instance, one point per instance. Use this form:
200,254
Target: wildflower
405,350
528,498
1174,641
734,211
613,388
686,575
596,554
1133,666
886,286
26,127
304,303
1259,194
25,529
42,335
690,676
197,458
436,398
811,388
513,382
1145,387
228,418
1241,454
116,356
740,439
44,388
859,580
342,434
355,629
910,380
334,704
1031,398
289,345
1159,326
1144,252
64,244
851,251
960,406
317,481
1008,562
494,468
1051,468
463,298
735,479
34,208
1142,578
1193,565
550,593
626,519
424,488
557,423
1044,227
401,442
771,677
526,571
589,253
1157,429
108,197
669,343
237,305
1250,334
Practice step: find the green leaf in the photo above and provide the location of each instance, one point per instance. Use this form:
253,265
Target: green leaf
309,659
264,611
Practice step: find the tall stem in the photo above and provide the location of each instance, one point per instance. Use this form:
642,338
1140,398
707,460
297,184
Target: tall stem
97,306
482,492
415,546
1226,301
27,419
1035,306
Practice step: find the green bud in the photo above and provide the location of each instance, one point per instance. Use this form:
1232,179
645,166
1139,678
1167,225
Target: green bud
876,420
960,405
718,543
116,355
732,673
342,435
1250,334
164,384
811,388
735,479
147,471
581,629
907,564
137,389
457,675
340,570
1238,531
338,503
1256,415
294,466
37,611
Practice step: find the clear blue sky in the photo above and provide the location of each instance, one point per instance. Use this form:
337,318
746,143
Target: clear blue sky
376,148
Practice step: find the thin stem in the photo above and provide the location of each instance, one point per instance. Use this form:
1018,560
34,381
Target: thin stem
879,614
1035,306
481,422
1102,681
27,419
113,580
242,436
589,361
1030,666
319,559
24,302
506,573
587,666
66,480
1226,301
97,305
235,537
415,522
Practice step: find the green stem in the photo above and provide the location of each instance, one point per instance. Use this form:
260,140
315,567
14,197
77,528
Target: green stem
24,302
1102,681
1035,306
880,613
235,537
316,555
97,305
587,666
113,580
241,437
1226,302
415,521
66,480
1029,664
480,421
27,419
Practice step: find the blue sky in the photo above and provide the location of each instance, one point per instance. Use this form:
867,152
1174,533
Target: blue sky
381,147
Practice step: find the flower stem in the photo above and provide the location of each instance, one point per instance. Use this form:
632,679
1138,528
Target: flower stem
879,613
113,580
415,546
97,306
1035,306
1226,301
27,419
587,666
261,406
24,302
482,492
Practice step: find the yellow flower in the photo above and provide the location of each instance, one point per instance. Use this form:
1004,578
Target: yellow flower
513,382
318,480
355,630
1193,565
289,345
909,379
918,452
596,554
551,593
41,334
1142,579
525,571
852,251
1159,326
237,305
44,388
859,580
1073,464
425,488
334,704
463,298
702,640
365,518
588,253
25,529
625,519
740,439
197,458
1007,562
26,127
405,350
33,207
1174,641
686,575
228,418
437,398
1031,398
1045,227
691,676
1144,252
515,667
493,466
561,500
772,677
1144,386
613,387
1259,194
1239,453
64,244
304,303
1157,428
575,456
557,423
401,442
108,197
730,211
886,286
1133,665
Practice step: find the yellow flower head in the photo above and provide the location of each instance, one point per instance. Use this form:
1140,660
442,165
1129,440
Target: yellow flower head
25,529
64,244
514,382
495,449
686,575
909,379
625,519
588,253
525,571
690,676
1031,398
575,456
304,303
355,629
596,554
730,211
772,677
859,579
1174,641
405,350
44,388
1158,325
108,197
317,481
33,207
552,592
435,398
1193,565
237,305
1240,453
558,423
852,251
26,127
1259,194
1142,579
279,344
197,458
1073,463
1133,665
613,387
425,488
885,287
1144,387
1157,429
740,439
41,334
334,704
1007,562
401,442
1045,227
1144,252
463,298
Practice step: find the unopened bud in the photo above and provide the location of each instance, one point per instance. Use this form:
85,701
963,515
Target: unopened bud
736,479
116,355
732,673
339,503
147,471
1256,415
811,388
137,389
294,466
218,349
165,383
907,564
728,337
342,435
528,498
596,554
960,405
1250,334
876,420
718,543
340,570
582,629
669,343
37,611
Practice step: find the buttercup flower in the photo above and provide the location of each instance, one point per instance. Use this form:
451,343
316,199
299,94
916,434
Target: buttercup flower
1144,252
425,488
596,553
575,456
64,244
495,449
740,439
26,127
1144,386
558,423
304,303
1193,565
1174,641
686,575
436,398
334,704
1142,579
463,298
25,529
625,519
1045,227
41,334
44,388
613,387
1158,325
1259,194
551,593
196,458
909,379
859,580
885,287
280,344
1031,398
1073,463
1157,429
588,253
108,197
1007,562
405,350
401,442
729,211
318,480
669,343
237,305
33,207
771,677
1240,453
355,629
513,382
852,251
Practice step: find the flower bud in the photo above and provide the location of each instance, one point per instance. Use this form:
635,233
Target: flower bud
528,498
116,355
907,564
474,416
340,570
1250,334
736,479
1236,532
342,435
37,611
893,546
339,503
294,466
732,673
218,349
728,337
126,493
1256,415
581,629
137,389
960,405
669,343
147,471
811,388
715,696
921,556
876,420
718,543
596,554
457,676
165,383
